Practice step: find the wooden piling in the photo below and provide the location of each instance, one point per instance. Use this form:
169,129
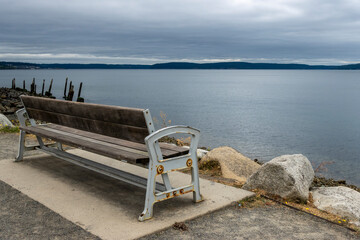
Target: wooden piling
32,86
13,85
80,87
80,99
70,85
24,89
66,81
48,93
43,87
71,92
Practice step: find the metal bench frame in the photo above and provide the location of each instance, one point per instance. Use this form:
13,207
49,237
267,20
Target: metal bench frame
155,192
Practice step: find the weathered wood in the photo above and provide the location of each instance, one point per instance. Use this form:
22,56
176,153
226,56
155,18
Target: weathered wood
32,86
24,86
125,127
80,87
71,93
48,93
88,145
122,131
167,150
106,113
79,98
43,87
66,81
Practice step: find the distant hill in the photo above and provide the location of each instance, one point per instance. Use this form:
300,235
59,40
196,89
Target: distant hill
246,65
176,65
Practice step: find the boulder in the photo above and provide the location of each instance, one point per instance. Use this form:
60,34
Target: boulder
233,164
4,121
288,176
342,201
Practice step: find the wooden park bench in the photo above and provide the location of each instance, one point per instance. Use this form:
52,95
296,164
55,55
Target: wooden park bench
117,132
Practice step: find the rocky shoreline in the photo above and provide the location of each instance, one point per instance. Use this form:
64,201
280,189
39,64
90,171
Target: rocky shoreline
10,100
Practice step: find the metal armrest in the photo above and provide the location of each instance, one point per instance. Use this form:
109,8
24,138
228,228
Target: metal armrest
21,116
153,146
172,130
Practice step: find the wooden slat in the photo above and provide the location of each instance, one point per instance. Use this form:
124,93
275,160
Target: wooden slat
88,145
165,151
106,113
95,141
126,132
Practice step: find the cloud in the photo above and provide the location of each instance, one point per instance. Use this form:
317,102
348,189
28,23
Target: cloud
139,31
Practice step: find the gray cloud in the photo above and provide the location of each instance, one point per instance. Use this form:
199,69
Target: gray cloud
115,31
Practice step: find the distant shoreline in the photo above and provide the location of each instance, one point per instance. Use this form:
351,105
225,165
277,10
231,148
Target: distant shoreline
178,65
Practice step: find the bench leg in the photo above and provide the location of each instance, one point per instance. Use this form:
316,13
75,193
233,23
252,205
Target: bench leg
166,180
21,149
195,181
150,196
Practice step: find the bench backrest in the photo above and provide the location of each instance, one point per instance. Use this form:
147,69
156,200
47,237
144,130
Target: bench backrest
120,122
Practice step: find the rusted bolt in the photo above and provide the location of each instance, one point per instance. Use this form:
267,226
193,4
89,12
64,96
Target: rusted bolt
167,195
174,193
181,191
189,162
160,169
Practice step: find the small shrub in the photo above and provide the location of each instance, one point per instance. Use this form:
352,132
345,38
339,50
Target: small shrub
8,129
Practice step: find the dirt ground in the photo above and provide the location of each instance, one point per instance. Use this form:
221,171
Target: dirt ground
23,218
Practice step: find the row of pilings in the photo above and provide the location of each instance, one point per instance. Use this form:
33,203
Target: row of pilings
68,92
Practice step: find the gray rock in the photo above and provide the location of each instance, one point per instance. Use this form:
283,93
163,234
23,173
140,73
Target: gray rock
12,110
2,108
201,153
288,176
6,103
342,201
233,164
4,121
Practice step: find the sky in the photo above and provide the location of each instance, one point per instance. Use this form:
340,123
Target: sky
153,31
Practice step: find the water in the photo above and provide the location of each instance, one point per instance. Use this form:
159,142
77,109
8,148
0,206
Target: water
261,113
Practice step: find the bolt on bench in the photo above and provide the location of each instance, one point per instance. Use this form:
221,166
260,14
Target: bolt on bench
117,132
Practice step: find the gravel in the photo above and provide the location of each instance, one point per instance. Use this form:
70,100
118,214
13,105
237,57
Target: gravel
270,222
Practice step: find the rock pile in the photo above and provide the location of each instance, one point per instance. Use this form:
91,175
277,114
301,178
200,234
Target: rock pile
9,100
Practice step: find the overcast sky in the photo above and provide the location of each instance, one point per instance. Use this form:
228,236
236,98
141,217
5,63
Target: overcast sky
150,31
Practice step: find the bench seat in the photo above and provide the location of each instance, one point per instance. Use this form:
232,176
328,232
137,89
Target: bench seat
116,148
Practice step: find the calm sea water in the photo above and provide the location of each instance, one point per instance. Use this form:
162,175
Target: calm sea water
261,113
